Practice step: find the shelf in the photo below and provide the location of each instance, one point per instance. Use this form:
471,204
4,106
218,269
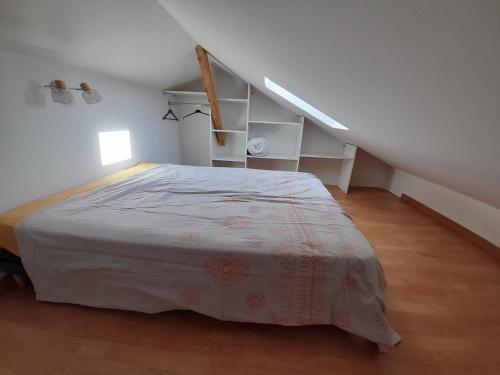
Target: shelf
204,94
242,101
186,93
239,158
229,131
340,156
272,164
228,164
275,156
273,123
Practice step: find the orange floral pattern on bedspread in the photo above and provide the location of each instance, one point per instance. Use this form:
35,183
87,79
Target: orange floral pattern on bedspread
226,269
256,301
301,285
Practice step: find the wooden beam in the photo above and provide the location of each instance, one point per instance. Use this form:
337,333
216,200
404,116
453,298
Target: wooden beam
206,74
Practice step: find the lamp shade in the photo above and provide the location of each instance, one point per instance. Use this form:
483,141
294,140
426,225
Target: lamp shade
59,93
90,96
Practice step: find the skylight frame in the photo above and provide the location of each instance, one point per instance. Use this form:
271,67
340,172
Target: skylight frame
303,105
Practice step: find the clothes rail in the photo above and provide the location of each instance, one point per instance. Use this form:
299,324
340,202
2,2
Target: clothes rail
186,103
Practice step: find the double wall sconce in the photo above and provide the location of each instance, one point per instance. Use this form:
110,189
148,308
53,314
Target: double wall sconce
61,94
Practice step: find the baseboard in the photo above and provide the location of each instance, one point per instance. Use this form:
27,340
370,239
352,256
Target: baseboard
454,226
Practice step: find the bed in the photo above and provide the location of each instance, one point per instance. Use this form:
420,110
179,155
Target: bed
234,244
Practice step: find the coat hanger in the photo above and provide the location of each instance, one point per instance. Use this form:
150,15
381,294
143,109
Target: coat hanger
170,112
196,112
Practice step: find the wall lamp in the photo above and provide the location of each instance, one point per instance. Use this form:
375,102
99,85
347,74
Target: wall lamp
61,94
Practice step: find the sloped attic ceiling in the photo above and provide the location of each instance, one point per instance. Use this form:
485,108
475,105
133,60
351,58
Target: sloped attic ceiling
417,82
133,40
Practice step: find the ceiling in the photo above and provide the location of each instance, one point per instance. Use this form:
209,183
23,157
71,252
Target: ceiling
417,82
133,40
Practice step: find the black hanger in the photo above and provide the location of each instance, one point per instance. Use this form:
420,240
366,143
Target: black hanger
170,112
196,112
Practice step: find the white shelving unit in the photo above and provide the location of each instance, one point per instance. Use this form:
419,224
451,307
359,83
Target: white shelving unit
282,129
294,143
323,154
233,110
234,148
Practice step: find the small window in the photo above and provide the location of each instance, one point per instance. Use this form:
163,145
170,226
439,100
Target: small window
115,146
306,107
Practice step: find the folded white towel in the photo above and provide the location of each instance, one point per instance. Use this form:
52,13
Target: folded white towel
258,146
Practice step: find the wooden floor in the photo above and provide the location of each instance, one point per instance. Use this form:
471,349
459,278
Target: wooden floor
443,299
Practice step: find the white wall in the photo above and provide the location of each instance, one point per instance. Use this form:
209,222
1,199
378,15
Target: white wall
369,171
476,216
47,147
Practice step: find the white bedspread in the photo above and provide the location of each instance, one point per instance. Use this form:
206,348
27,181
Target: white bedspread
233,244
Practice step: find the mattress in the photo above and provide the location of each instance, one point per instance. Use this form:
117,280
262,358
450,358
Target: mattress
10,218
234,244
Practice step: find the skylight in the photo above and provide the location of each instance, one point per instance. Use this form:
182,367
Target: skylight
115,146
306,107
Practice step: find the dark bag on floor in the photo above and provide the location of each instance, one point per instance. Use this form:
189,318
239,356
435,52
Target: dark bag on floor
11,264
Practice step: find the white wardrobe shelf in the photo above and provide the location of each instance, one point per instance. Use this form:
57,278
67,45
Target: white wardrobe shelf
273,123
186,93
204,94
239,158
319,156
275,156
229,131
229,100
